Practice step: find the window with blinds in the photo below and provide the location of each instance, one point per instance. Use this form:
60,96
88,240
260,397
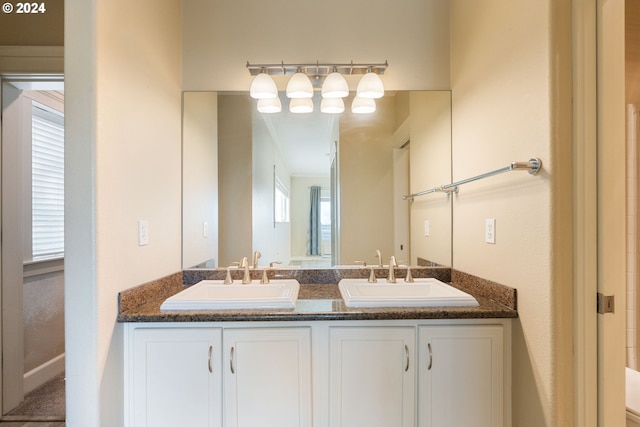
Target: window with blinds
47,182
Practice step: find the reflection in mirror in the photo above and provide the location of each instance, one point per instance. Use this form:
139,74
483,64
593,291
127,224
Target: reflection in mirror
315,190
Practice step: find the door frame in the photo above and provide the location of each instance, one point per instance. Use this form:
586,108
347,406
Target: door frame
599,211
26,63
611,211
585,383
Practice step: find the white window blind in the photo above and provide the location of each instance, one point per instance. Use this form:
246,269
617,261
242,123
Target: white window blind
47,182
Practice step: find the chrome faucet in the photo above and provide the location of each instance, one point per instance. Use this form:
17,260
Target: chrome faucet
392,272
379,256
246,279
256,255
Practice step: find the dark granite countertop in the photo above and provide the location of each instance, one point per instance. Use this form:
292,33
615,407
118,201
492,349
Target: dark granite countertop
316,302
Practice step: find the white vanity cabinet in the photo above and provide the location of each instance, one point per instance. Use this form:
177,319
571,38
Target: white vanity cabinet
320,373
267,377
461,373
174,377
371,376
177,376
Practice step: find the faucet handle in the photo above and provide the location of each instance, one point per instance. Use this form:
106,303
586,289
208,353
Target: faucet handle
272,263
372,276
228,280
357,262
265,278
409,277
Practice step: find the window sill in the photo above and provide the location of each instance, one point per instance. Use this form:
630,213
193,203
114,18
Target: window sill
42,266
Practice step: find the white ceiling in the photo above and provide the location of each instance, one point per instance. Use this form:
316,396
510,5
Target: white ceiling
304,140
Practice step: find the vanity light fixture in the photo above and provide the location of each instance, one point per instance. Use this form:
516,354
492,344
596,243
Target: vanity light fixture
332,105
263,87
330,76
301,105
269,105
299,86
370,86
335,86
363,105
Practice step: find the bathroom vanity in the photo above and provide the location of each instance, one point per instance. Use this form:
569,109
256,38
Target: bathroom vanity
320,364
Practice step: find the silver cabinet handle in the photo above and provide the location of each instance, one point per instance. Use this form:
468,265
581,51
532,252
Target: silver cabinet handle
209,361
430,357
231,364
406,353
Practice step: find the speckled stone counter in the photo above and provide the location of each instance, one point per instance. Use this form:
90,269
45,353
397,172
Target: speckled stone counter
318,299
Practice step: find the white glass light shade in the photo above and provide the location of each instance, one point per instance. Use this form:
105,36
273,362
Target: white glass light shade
370,86
272,105
299,86
263,87
332,105
301,105
335,86
363,105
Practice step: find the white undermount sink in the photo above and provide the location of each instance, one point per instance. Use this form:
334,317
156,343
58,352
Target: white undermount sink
423,292
215,295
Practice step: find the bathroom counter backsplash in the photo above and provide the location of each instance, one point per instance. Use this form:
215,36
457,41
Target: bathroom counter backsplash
319,298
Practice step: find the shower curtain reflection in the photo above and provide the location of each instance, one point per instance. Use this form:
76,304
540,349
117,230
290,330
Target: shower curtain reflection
315,232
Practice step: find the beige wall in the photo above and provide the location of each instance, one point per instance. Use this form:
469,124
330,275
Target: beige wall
223,35
43,320
235,177
123,133
430,166
507,107
366,183
199,178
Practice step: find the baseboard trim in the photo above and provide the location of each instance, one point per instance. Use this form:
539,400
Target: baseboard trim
30,418
43,373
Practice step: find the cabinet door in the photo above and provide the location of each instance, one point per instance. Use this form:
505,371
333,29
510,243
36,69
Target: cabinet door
177,379
267,377
372,377
460,376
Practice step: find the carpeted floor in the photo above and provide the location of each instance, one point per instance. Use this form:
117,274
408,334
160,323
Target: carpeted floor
43,407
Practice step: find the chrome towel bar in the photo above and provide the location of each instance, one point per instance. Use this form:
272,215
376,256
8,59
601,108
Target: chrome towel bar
533,166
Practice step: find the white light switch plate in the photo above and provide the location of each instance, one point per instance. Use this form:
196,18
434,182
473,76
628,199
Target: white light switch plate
143,233
427,232
490,230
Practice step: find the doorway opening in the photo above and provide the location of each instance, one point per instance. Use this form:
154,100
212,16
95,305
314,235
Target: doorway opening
32,189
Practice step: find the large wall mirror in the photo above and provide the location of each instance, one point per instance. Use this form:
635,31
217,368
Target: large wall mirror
315,190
